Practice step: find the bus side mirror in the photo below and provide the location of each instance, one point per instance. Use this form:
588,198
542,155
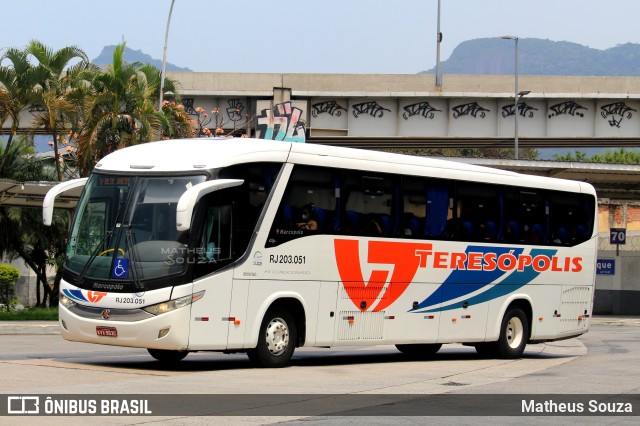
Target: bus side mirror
52,194
191,196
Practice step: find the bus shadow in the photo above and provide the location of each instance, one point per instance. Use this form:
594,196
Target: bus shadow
213,361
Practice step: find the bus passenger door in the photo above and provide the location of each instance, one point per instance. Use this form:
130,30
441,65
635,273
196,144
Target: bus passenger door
213,251
210,315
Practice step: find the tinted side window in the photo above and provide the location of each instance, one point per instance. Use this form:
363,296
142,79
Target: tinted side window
571,218
227,219
526,216
428,208
368,204
479,212
309,205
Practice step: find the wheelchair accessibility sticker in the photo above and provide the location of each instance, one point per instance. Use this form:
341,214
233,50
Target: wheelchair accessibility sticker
120,268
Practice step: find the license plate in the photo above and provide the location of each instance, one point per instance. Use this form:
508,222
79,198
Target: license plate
107,331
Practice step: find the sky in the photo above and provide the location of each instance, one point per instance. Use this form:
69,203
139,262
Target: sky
304,36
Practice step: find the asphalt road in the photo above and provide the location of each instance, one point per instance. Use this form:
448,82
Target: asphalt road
603,361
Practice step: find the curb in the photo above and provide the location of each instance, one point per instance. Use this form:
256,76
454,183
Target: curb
619,321
13,328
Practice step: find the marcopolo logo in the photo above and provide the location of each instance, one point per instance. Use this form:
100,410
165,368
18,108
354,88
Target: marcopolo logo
477,267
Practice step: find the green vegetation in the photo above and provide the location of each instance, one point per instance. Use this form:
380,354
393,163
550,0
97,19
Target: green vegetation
619,156
30,314
8,277
89,112
500,153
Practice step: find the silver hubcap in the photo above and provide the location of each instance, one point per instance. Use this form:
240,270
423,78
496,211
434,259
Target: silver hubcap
514,332
277,336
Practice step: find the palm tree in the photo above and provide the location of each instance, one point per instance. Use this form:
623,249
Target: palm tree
57,80
17,82
121,111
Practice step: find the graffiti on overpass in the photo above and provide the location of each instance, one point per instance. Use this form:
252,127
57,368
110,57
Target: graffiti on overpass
523,109
188,106
371,108
234,111
567,108
616,112
421,108
282,123
332,108
472,109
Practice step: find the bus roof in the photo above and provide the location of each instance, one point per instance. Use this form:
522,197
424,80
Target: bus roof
192,155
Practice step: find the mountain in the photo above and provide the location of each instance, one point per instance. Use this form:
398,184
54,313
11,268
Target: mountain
130,55
541,57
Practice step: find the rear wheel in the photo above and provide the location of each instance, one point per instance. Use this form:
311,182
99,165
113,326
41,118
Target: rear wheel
276,341
421,350
514,334
166,356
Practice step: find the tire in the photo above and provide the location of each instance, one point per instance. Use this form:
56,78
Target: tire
276,341
166,356
514,333
423,350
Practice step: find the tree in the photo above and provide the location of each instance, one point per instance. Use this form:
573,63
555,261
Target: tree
56,79
8,277
618,156
22,233
121,111
500,153
17,83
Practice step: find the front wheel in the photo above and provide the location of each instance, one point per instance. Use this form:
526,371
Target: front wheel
514,334
166,356
276,341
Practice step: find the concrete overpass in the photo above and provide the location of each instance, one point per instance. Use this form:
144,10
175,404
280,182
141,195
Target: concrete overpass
410,111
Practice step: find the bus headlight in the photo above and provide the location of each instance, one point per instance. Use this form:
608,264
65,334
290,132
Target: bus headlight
172,305
66,302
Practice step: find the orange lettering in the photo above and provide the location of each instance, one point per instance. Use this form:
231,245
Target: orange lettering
440,259
577,265
457,260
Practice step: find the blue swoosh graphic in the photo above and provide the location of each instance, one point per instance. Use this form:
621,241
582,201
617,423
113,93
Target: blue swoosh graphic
511,283
473,280
75,295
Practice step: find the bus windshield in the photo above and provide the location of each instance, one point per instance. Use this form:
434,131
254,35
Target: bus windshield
125,229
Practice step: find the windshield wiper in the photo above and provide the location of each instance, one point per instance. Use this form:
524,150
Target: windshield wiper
132,256
94,254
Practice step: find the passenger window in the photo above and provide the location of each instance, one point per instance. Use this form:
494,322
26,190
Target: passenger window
414,207
441,218
308,206
478,209
428,208
526,216
368,201
570,223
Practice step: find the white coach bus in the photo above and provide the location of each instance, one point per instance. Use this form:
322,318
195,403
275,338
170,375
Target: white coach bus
242,245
